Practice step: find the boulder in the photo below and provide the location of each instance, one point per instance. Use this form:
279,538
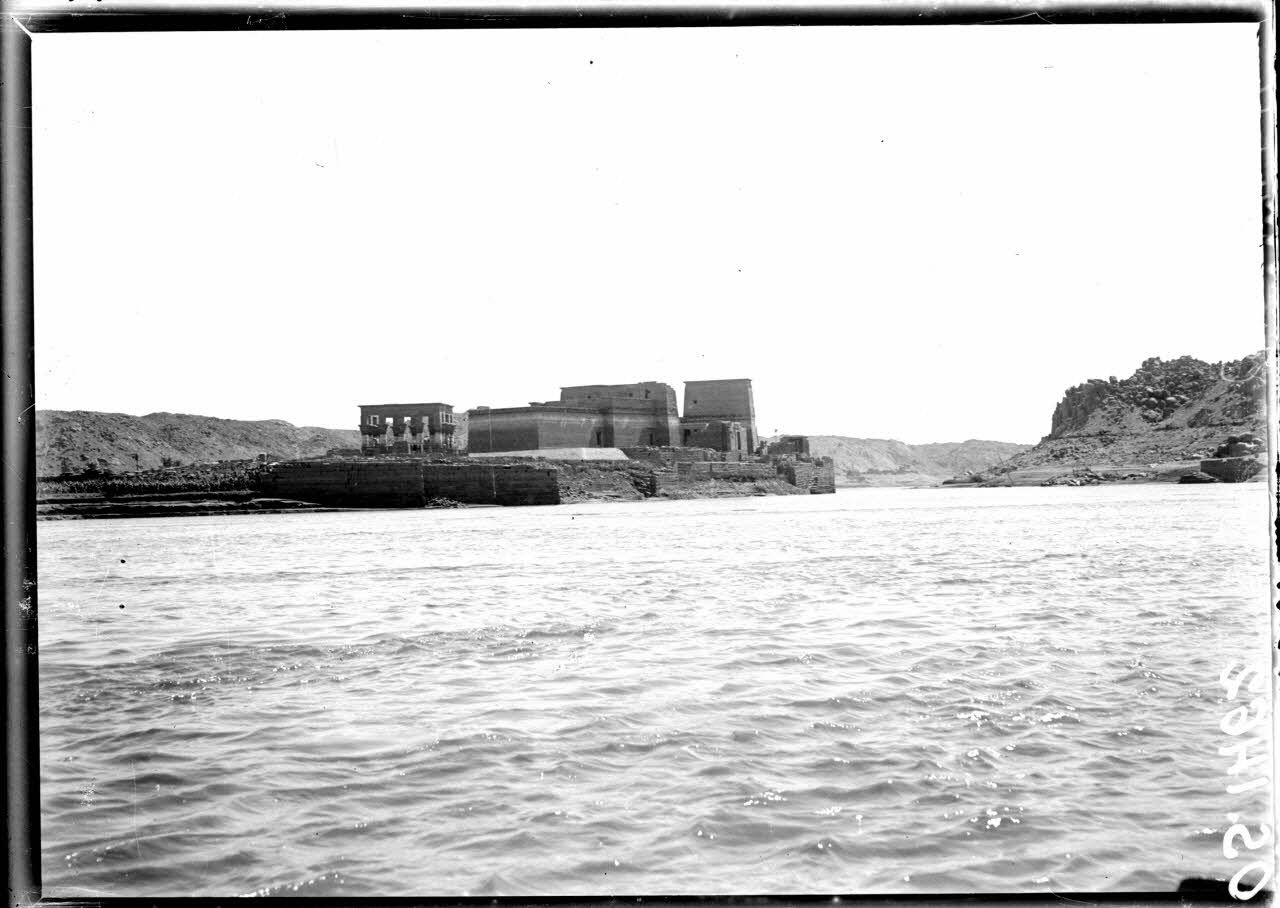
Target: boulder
1195,478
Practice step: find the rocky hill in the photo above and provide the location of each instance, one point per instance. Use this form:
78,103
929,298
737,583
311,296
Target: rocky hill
71,441
1166,412
888,462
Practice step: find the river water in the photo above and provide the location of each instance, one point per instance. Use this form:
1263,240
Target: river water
877,691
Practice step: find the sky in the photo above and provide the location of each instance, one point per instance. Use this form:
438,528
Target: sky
921,233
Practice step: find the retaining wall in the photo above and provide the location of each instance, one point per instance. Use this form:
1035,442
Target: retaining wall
664,456
664,481
507,484
411,483
731,472
384,482
350,483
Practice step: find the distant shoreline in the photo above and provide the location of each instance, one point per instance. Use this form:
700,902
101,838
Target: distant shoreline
102,508
81,505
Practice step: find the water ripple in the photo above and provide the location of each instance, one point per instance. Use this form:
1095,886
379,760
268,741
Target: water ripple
879,691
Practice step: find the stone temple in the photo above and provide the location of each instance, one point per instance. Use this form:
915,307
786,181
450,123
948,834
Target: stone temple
411,454
407,428
718,414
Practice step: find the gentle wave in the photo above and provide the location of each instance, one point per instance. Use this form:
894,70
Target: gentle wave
878,691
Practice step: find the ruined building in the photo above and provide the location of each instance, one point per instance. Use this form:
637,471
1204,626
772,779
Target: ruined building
788,445
720,415
710,451
406,428
585,416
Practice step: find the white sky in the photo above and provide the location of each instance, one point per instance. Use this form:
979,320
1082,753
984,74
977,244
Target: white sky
924,233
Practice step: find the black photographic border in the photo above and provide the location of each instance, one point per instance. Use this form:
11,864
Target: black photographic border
17,405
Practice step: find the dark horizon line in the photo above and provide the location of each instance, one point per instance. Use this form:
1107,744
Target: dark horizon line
246,17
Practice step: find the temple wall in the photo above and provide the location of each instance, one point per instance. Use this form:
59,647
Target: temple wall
350,483
724,399
386,483
627,430
653,396
571,429
487,431
716,434
505,484
729,400
530,428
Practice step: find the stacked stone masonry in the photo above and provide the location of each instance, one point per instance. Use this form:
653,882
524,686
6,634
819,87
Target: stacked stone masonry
731,472
819,476
350,483
387,483
505,484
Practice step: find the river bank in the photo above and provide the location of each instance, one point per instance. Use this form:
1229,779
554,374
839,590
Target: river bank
195,505
359,484
192,504
334,485
1208,471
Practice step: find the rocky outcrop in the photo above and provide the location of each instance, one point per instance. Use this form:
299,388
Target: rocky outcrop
1166,413
1181,393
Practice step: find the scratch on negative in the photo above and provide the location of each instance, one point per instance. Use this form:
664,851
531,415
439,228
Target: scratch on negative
1007,19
